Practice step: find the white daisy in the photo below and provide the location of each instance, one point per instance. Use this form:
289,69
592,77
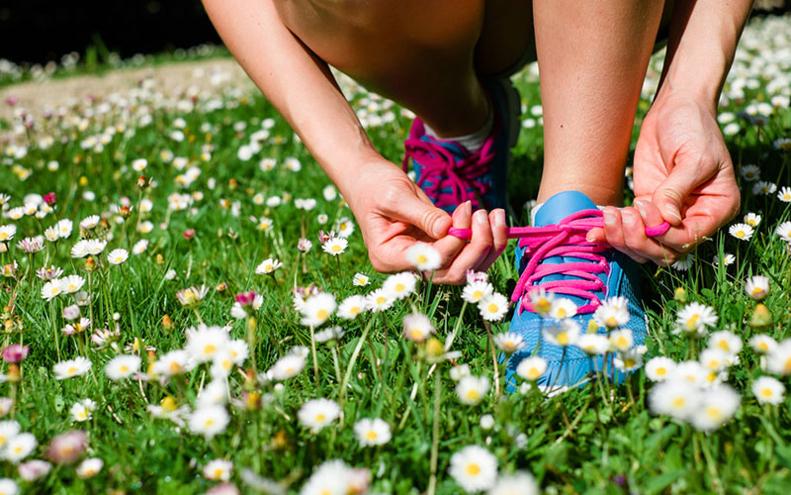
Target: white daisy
493,307
660,368
209,421
317,413
287,367
268,266
532,368
472,389
351,307
784,194
762,343
379,300
717,406
82,411
518,483
72,367
218,470
19,447
417,327
784,231
89,467
372,432
117,256
123,366
509,342
752,219
423,257
613,313
562,333
400,285
768,390
335,246
204,343
757,287
741,231
475,291
779,359
695,318
678,399
360,280
317,309
474,469
621,340
594,343
562,307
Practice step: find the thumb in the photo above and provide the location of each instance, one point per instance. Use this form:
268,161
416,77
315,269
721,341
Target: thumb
424,215
671,194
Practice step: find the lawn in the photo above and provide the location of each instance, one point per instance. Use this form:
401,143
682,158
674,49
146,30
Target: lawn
136,359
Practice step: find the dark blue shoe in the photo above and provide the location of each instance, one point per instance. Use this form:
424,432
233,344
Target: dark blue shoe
555,257
450,174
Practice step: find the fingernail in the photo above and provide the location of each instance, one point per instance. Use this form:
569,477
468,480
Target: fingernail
627,216
590,237
499,218
609,217
481,217
673,215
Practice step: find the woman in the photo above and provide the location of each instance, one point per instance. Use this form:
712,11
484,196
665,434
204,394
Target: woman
448,62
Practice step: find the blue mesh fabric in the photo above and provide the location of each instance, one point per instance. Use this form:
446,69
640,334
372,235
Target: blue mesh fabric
573,366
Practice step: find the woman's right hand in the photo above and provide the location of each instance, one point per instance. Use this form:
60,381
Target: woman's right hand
394,213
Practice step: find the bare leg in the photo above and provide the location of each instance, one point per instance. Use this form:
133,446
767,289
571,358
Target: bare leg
420,54
592,58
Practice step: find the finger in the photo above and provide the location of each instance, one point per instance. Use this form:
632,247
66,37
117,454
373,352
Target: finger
450,246
420,212
499,238
671,194
692,231
473,253
639,243
614,233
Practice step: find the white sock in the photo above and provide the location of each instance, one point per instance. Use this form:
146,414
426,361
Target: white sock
473,141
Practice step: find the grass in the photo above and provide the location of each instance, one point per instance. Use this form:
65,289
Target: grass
580,441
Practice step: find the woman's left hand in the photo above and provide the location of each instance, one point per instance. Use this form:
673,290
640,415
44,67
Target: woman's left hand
683,174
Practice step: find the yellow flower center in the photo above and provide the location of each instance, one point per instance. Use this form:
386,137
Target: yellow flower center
714,413
422,259
563,338
767,393
679,402
472,395
321,417
693,321
209,349
661,371
492,308
371,435
473,469
322,314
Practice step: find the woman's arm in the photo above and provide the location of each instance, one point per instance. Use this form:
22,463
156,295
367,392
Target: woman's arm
297,83
392,211
702,41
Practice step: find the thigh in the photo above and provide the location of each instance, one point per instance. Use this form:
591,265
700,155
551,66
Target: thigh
507,40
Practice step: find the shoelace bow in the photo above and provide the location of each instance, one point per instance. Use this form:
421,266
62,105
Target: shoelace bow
566,238
461,176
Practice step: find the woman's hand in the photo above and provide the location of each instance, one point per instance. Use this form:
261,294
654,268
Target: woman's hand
394,214
683,174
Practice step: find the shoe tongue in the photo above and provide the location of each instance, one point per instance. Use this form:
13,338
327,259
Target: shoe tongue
560,206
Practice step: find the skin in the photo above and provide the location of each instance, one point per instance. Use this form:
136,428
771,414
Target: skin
429,56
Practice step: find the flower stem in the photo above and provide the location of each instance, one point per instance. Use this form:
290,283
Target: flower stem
494,359
432,482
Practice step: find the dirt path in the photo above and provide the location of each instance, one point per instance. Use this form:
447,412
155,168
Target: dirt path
37,96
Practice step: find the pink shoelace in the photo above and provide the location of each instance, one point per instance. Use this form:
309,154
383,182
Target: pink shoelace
566,238
453,180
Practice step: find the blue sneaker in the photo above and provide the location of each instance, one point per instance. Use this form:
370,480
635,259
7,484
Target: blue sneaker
553,256
450,174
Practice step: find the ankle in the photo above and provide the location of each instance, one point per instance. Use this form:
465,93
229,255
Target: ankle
601,195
